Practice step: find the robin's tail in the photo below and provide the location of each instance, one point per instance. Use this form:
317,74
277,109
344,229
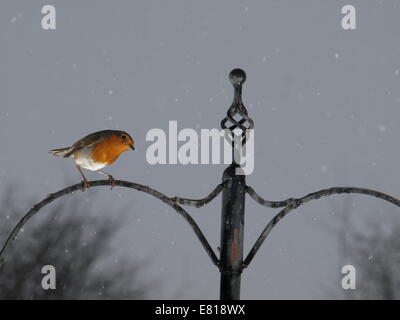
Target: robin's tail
60,152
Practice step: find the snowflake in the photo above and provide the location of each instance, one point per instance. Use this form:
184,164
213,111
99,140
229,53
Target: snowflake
382,128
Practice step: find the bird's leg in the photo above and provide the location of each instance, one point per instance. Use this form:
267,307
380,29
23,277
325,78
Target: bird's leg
85,182
111,179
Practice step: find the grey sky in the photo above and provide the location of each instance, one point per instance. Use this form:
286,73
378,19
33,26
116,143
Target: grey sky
325,102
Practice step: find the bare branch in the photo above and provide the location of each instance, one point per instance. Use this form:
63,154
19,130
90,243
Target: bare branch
295,203
200,202
71,189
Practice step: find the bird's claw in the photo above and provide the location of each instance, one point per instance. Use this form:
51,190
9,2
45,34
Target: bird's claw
112,181
85,185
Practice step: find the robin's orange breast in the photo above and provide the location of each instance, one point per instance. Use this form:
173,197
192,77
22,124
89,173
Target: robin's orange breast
108,150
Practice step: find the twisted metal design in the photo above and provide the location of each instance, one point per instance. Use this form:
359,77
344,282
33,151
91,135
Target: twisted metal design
236,118
237,77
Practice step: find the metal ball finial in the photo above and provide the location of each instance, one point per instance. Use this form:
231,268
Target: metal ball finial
237,76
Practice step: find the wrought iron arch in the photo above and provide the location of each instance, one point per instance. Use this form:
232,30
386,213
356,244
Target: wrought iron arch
293,203
172,202
233,189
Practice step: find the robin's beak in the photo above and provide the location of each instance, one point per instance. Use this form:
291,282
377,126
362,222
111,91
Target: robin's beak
132,147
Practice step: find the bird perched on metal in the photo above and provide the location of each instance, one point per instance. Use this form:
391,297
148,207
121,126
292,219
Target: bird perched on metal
96,151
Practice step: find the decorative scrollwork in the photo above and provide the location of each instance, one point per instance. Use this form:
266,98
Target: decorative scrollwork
237,110
197,203
127,184
294,203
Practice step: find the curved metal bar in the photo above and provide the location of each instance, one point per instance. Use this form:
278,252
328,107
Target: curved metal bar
51,197
200,202
267,203
295,203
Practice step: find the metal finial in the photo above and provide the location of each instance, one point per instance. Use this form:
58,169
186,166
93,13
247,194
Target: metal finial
237,77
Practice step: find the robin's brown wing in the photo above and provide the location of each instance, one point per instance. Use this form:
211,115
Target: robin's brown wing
89,140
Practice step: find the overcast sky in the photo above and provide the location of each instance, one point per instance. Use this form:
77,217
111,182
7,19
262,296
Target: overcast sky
325,102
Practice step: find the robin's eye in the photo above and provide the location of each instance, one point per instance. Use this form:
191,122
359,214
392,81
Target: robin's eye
123,137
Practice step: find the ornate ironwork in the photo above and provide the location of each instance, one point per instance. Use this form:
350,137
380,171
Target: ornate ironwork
237,110
233,189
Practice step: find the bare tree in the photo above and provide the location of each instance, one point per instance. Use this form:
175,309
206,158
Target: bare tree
373,249
77,244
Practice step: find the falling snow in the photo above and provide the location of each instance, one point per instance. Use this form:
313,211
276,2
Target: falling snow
382,128
14,19
327,108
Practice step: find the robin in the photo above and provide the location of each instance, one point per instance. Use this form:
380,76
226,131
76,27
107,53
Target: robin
96,151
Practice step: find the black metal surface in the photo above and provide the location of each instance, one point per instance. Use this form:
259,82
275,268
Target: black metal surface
294,203
233,188
127,184
232,231
233,197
